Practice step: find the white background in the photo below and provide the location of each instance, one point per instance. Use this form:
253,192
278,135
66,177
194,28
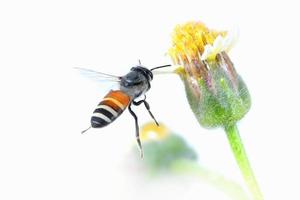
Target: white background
45,105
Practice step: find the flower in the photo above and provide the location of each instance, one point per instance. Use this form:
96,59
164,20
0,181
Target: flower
216,93
168,153
162,147
151,131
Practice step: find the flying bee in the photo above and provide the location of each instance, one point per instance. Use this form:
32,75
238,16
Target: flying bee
131,86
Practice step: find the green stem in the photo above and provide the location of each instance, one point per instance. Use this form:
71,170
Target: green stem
230,188
240,155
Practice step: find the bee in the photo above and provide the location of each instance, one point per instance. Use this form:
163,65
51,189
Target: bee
130,87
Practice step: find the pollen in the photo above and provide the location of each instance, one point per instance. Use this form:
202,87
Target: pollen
194,41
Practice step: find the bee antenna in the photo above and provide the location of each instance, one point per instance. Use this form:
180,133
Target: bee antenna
82,132
160,67
140,62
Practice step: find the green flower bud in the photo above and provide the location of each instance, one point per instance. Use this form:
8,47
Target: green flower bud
216,93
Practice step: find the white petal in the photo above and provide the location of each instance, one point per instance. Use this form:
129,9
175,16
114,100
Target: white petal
208,49
220,44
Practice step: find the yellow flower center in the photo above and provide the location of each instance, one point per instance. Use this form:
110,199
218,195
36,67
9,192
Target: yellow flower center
151,131
194,40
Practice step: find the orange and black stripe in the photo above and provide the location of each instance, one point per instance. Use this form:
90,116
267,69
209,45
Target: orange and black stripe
111,107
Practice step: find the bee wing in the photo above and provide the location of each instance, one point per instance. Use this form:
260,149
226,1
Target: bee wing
98,76
104,82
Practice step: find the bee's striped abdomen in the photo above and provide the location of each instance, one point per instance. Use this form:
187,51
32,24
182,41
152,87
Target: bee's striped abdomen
111,107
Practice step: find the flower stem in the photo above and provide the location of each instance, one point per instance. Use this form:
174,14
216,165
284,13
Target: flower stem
240,155
230,188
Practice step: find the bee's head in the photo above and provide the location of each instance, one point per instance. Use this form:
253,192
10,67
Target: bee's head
137,77
137,81
144,71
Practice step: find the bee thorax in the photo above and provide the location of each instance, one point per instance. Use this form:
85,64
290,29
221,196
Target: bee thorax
136,82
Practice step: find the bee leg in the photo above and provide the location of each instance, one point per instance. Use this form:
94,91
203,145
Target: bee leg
148,108
136,103
137,133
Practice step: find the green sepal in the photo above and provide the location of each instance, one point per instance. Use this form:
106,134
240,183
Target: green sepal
221,102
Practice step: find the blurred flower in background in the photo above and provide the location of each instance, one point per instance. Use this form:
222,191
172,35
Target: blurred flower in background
162,147
166,153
